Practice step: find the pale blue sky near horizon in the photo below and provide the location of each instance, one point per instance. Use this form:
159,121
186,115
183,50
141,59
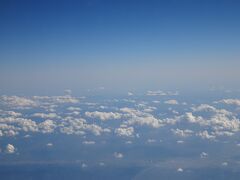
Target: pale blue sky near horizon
51,45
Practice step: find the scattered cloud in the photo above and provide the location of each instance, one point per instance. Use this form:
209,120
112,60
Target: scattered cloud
118,155
103,115
171,102
10,149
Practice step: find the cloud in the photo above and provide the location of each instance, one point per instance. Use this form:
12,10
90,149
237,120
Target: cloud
84,165
68,91
230,101
10,149
151,140
118,155
88,142
130,94
49,144
79,126
47,126
182,133
203,155
180,142
103,115
220,121
17,102
161,93
46,116
127,131
71,108
205,135
171,102
140,118
101,164
224,163
179,170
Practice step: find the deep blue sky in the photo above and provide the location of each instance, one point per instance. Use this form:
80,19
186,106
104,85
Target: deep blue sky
91,43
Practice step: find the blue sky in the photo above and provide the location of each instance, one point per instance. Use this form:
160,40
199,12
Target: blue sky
51,45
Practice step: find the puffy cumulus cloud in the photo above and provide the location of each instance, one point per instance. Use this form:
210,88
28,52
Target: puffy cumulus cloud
71,108
171,102
146,120
203,107
65,99
182,133
88,142
46,102
17,102
10,113
161,93
56,99
46,116
74,113
179,170
103,115
49,144
125,131
118,155
79,126
219,121
140,118
10,126
47,126
206,135
193,119
149,109
230,101
203,155
10,149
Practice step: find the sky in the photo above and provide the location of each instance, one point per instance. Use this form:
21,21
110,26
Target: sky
48,46
119,89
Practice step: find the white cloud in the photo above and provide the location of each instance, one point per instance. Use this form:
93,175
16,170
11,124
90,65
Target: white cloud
10,149
204,155
118,155
79,126
205,135
49,144
151,140
47,126
71,108
128,131
182,133
103,115
88,142
130,94
180,142
179,170
17,102
171,102
141,118
230,101
101,164
161,93
224,163
46,116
